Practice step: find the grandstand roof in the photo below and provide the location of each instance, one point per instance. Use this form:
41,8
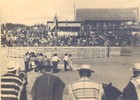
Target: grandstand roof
107,14
66,23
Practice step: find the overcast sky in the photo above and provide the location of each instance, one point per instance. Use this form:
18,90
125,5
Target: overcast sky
40,11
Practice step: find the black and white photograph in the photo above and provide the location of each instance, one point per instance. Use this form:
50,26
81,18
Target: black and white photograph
70,49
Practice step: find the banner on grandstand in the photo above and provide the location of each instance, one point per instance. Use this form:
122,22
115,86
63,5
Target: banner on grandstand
55,24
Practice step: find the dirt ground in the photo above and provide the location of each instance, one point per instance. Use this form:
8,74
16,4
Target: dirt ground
112,69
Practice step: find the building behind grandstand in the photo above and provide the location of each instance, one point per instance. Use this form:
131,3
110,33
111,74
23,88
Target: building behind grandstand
101,20
108,23
107,20
66,27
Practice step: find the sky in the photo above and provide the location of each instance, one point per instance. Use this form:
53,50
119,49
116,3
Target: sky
31,12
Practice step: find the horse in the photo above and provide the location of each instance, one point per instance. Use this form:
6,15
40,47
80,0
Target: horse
111,92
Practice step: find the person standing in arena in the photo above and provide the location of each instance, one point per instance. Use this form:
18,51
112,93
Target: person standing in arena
70,62
47,87
11,83
32,60
46,62
55,61
132,90
66,58
26,61
40,61
85,88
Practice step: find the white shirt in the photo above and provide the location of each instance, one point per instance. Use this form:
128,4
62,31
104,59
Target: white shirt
55,58
66,58
85,89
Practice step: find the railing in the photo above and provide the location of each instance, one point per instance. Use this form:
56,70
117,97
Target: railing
76,52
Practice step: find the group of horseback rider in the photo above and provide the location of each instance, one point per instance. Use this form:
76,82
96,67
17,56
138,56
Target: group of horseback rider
39,61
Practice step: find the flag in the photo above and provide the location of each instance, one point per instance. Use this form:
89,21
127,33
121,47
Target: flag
66,22
55,24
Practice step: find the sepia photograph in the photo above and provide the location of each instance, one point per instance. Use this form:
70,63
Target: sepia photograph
70,49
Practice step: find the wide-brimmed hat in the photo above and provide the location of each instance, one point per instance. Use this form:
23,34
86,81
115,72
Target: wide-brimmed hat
55,54
12,66
66,54
85,67
136,67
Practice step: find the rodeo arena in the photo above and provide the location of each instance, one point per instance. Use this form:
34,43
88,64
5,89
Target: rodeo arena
94,57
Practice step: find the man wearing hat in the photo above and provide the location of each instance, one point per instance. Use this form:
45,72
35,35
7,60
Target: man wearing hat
55,61
85,88
66,58
47,86
11,83
132,90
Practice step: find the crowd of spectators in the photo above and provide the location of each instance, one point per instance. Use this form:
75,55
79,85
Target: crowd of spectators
16,35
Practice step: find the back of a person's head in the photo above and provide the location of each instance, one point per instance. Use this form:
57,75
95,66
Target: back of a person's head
40,54
45,57
136,73
84,73
136,69
13,72
66,54
48,69
55,54
23,75
12,67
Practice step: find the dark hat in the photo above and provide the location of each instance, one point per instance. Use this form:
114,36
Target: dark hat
55,54
66,54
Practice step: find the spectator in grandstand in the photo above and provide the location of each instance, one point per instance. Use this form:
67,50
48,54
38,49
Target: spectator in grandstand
66,58
11,83
55,61
26,61
85,88
70,62
37,35
131,91
47,87
9,41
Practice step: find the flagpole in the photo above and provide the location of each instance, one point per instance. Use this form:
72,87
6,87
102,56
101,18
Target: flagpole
55,40
74,12
56,34
54,30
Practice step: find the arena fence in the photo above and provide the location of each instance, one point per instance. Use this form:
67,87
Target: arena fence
126,51
130,51
77,52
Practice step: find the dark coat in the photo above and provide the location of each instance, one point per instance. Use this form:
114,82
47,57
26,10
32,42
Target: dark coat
23,95
129,92
47,87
